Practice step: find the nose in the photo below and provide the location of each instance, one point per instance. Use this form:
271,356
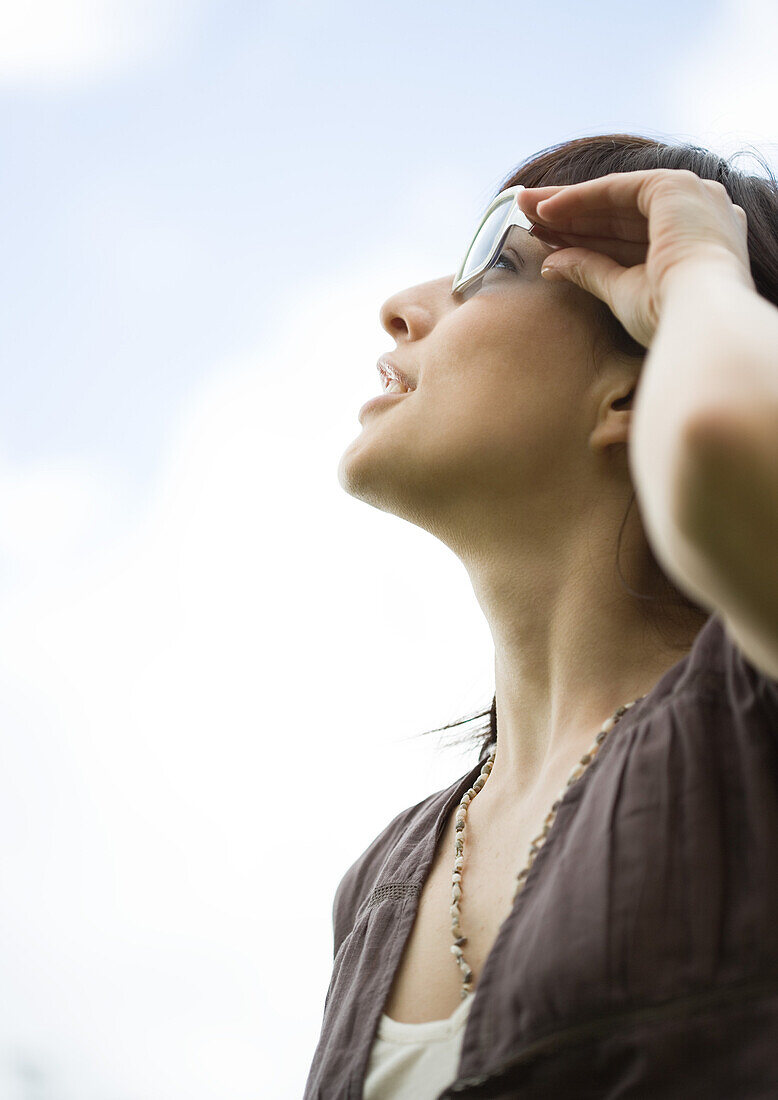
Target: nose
410,314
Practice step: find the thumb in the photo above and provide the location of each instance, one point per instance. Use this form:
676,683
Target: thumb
591,271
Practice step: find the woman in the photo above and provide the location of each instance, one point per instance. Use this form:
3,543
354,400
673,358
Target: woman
592,911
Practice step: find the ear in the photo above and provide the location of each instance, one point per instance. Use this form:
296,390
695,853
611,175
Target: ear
614,419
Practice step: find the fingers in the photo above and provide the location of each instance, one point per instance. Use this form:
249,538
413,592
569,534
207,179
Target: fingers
592,272
611,224
614,205
602,211
604,194
617,190
625,252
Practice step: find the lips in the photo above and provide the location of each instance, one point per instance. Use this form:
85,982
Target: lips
390,372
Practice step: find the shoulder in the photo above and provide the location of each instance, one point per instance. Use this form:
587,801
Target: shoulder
357,883
716,658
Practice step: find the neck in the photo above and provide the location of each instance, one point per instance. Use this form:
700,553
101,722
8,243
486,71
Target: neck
571,646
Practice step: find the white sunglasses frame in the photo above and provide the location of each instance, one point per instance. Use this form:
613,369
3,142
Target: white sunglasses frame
514,216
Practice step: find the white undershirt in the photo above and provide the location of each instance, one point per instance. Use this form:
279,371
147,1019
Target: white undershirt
415,1061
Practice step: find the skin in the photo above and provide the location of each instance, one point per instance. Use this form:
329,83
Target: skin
512,451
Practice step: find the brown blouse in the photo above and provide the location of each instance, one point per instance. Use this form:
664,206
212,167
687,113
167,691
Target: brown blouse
640,959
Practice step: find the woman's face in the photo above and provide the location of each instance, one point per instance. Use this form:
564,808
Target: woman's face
505,391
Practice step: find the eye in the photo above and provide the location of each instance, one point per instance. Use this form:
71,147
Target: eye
504,261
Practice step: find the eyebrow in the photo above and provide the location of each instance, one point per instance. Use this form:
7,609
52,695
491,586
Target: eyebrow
520,236
515,240
510,246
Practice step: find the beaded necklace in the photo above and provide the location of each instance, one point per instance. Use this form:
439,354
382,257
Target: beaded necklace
535,846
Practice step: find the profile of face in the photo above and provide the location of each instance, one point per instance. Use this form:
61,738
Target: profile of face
499,427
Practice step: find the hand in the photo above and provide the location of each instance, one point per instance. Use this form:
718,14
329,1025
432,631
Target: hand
624,236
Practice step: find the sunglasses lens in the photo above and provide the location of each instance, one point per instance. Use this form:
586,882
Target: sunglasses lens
483,242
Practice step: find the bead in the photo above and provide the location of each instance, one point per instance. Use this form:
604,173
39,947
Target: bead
535,846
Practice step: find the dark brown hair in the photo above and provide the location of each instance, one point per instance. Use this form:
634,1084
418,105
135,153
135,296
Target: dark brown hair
589,158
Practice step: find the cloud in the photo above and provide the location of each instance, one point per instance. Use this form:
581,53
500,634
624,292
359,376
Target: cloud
48,511
184,703
726,89
56,43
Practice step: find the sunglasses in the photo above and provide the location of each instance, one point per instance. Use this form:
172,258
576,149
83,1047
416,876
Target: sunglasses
501,214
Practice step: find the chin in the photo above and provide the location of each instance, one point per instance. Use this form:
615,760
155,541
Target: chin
373,478
357,472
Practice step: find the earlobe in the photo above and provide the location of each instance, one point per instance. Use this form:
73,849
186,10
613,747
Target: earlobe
615,419
614,431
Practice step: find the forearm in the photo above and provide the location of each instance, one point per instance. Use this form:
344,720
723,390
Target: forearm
714,356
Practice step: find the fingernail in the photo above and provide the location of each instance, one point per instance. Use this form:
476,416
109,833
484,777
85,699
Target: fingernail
551,273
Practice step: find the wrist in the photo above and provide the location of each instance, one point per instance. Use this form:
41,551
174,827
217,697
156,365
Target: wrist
703,271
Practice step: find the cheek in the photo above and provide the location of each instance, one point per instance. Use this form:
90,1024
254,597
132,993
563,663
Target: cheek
491,436
501,398
519,336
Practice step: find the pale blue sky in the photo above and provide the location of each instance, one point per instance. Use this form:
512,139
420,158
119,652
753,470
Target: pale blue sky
202,208
153,218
